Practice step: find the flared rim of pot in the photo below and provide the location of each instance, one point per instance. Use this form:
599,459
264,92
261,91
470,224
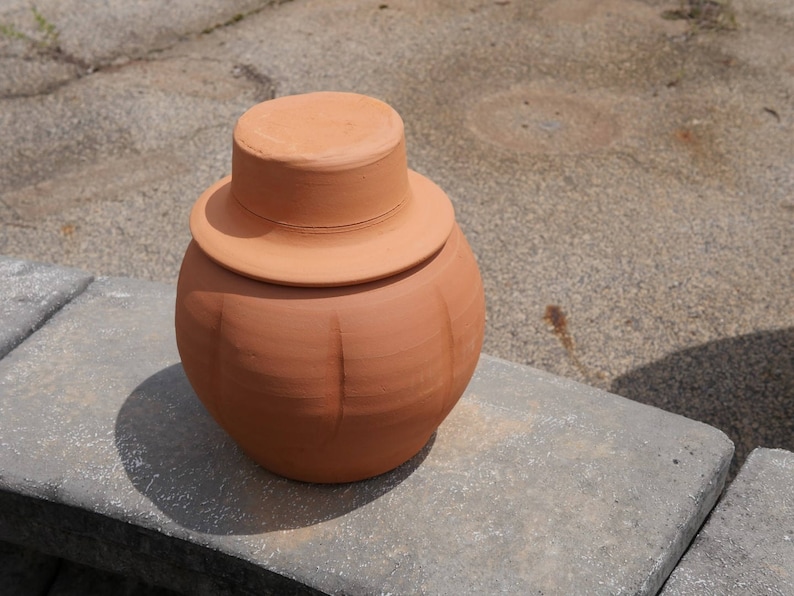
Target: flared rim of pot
320,195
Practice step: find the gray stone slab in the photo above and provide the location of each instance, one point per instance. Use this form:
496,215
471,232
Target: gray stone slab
533,483
29,295
747,546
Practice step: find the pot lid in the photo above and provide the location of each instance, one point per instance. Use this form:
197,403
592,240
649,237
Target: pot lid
321,195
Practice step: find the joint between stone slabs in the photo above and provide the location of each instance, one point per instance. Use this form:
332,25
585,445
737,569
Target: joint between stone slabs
51,312
28,310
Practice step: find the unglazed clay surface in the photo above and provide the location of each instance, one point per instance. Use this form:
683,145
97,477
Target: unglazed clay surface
321,179
332,384
329,311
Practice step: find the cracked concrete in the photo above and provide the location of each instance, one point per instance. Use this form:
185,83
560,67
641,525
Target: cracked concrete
634,171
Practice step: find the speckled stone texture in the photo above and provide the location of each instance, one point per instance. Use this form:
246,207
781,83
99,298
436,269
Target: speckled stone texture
533,484
747,546
30,293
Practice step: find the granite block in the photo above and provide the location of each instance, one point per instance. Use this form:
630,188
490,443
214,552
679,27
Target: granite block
29,295
747,545
533,483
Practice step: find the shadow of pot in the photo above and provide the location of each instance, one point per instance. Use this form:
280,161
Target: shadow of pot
176,455
742,385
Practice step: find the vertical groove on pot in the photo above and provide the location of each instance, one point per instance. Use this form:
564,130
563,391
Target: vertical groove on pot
216,375
448,353
335,375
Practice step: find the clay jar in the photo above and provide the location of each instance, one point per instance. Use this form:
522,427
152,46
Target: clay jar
329,311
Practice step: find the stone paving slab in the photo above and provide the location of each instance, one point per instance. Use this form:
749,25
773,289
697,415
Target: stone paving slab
29,295
747,546
532,483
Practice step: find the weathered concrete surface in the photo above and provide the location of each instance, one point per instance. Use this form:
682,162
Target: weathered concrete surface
534,483
635,171
29,295
747,546
49,43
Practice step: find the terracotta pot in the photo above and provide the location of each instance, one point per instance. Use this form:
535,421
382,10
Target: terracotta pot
329,311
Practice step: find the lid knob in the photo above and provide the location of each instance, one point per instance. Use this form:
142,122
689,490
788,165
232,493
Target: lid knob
321,160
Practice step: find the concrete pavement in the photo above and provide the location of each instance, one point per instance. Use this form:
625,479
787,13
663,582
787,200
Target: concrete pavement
626,180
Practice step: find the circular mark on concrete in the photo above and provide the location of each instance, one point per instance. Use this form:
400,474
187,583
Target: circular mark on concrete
543,121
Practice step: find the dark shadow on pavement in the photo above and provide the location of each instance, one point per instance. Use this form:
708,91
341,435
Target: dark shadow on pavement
743,385
182,461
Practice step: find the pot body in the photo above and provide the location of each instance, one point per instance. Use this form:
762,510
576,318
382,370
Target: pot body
332,384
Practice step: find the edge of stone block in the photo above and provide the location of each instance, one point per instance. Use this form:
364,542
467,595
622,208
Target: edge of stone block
498,368
77,282
134,550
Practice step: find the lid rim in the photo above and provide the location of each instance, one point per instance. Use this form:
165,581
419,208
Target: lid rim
255,247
